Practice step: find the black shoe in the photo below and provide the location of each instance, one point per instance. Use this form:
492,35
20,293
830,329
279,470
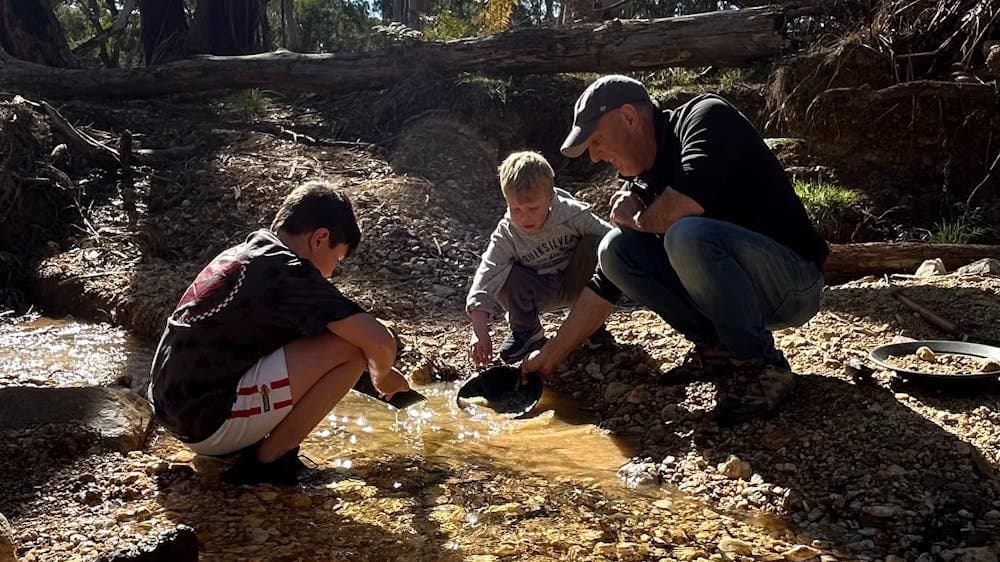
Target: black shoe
248,470
755,389
304,466
701,362
519,344
601,338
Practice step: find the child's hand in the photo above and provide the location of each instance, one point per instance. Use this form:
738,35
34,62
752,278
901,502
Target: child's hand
390,382
481,346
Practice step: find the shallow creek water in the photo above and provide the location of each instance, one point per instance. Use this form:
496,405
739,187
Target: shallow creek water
417,484
558,437
40,351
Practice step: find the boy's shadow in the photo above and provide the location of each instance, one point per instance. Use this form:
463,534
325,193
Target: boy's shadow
313,523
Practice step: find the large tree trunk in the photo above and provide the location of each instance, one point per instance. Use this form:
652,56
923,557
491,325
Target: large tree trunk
164,30
30,31
227,27
851,261
290,31
727,38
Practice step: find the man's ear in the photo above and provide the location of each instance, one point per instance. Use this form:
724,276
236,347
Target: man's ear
630,116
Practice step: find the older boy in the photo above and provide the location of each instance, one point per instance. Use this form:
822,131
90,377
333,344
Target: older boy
540,256
262,346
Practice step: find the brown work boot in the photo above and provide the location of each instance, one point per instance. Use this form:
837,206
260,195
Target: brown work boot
701,362
754,389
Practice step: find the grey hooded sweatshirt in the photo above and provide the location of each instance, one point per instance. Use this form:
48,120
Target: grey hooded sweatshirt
547,250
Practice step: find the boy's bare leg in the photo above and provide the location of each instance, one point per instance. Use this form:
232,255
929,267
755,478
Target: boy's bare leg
321,371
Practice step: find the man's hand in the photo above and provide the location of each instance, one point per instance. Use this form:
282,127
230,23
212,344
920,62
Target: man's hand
625,209
389,382
537,362
481,346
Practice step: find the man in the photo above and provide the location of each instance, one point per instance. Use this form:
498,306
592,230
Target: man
709,235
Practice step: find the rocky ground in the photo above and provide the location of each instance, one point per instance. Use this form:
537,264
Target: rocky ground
853,468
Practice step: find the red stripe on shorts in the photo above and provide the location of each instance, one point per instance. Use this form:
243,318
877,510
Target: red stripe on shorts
247,390
282,404
280,384
244,413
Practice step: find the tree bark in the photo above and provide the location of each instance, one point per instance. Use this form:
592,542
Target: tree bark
164,29
30,31
726,38
852,261
290,27
227,27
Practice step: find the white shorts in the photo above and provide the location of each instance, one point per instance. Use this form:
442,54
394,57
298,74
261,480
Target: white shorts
263,399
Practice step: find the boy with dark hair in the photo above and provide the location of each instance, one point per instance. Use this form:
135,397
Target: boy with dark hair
262,345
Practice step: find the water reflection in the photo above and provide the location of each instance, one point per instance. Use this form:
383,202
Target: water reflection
40,351
559,437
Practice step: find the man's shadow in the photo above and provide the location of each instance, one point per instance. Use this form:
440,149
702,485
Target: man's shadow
859,467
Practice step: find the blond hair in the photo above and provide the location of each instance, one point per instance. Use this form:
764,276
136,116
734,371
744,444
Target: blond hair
522,174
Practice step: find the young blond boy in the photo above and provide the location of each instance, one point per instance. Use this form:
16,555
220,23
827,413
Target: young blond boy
541,254
262,345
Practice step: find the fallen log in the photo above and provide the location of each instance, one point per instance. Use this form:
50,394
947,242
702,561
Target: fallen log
852,261
866,97
725,38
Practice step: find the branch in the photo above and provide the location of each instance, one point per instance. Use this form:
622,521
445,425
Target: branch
119,24
81,141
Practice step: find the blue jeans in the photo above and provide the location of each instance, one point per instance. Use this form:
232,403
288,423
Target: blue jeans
714,281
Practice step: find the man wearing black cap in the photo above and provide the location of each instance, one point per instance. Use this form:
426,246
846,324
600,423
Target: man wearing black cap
709,235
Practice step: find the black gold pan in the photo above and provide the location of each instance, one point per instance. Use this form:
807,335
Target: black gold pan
399,400
503,389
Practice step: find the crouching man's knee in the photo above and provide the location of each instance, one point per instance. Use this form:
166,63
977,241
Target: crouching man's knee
617,254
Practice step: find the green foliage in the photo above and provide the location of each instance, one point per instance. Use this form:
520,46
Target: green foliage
661,83
396,33
826,203
448,25
358,26
80,23
731,78
964,229
670,8
777,144
75,22
251,104
494,15
333,26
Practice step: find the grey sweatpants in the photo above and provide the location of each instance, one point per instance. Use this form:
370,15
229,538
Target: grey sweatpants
526,293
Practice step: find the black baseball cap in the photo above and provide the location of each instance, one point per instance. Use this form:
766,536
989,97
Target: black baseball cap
604,94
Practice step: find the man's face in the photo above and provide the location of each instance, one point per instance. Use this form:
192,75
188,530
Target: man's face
616,140
528,212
